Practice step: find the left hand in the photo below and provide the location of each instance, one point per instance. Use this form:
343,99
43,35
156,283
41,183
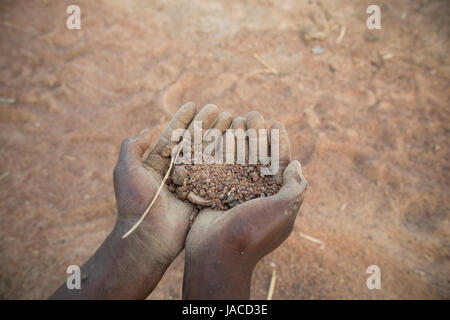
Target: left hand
136,181
131,267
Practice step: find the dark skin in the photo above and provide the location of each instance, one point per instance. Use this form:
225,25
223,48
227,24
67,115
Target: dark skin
222,249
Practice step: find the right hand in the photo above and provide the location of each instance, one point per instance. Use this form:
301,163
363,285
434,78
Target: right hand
222,248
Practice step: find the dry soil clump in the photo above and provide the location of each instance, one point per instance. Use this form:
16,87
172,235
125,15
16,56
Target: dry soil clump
220,186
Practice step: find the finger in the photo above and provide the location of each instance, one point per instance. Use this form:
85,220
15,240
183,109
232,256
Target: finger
206,116
239,126
158,159
294,183
227,135
133,148
284,149
239,123
201,123
221,124
255,121
182,118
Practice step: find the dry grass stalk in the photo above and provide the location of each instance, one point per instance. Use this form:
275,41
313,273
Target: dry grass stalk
265,64
157,193
341,35
272,285
312,239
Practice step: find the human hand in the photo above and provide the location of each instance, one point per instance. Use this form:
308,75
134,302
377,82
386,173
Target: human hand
222,248
130,267
136,183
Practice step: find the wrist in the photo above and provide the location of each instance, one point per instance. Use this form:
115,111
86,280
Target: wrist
114,272
141,248
126,268
217,275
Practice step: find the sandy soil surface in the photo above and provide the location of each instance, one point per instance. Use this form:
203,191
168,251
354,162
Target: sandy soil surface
369,119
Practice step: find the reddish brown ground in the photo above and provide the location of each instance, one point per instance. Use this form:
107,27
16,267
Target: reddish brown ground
372,135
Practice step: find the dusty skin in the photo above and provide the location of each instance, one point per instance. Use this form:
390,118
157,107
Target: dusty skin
368,118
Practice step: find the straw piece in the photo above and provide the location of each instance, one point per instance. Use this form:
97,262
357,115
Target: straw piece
341,35
265,64
312,239
272,284
156,195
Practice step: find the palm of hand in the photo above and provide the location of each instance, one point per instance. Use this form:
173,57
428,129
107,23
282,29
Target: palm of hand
256,227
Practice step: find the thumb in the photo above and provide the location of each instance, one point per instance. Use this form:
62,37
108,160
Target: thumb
294,183
133,148
269,221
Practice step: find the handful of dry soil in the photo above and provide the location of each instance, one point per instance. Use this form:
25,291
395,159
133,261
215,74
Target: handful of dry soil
220,186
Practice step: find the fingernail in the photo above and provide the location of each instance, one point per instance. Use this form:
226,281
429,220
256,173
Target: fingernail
299,166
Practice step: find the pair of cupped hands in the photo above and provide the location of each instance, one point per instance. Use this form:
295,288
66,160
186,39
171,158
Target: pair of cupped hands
221,248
